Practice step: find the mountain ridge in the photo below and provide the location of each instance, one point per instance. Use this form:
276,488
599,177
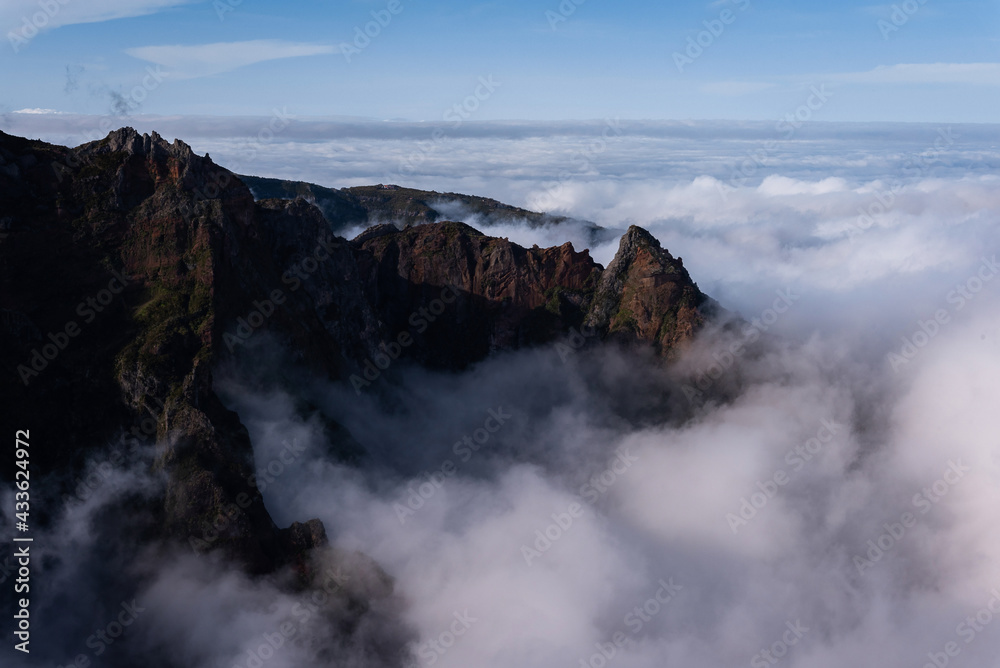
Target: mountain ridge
370,205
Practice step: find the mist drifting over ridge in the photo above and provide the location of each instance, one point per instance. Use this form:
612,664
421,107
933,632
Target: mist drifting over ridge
749,520
753,517
854,442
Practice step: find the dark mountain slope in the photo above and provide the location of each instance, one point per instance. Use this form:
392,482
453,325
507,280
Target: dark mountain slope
132,267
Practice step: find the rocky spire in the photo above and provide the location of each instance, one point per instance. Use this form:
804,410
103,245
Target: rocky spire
645,294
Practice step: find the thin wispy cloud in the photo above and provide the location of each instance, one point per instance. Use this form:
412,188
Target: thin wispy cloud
978,74
735,88
929,74
13,13
201,60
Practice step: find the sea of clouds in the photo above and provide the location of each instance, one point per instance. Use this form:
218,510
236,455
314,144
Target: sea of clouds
830,498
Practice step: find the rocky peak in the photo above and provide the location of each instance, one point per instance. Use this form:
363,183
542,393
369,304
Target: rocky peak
634,242
150,157
645,294
127,140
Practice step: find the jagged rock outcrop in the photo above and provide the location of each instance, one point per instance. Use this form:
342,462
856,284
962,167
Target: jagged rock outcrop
645,294
508,296
501,296
164,264
391,204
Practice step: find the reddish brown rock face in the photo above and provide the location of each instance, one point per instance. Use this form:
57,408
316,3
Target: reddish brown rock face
506,296
646,295
509,296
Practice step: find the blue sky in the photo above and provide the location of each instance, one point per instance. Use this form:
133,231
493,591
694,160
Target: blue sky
936,61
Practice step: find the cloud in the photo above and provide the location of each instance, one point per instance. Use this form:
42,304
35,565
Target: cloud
803,556
895,444
855,445
200,60
735,88
173,595
977,74
37,111
14,13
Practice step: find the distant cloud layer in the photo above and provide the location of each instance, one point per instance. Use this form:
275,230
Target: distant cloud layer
840,509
